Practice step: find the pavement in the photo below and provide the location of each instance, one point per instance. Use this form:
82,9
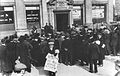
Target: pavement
108,69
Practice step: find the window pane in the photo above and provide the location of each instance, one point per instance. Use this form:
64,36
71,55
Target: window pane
77,15
33,16
98,13
6,15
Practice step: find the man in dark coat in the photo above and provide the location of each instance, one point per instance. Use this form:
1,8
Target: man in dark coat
107,42
83,48
114,42
44,50
23,51
10,55
2,55
74,48
94,56
60,41
102,50
36,52
48,29
66,50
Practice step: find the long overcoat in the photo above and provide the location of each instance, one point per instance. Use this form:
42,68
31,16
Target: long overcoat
23,51
94,52
10,56
2,57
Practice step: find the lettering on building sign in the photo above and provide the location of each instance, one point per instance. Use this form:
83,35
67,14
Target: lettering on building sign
61,4
98,11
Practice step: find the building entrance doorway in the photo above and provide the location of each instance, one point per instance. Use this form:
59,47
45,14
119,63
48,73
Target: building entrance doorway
62,21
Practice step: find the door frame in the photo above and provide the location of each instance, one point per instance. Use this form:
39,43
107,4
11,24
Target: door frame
60,12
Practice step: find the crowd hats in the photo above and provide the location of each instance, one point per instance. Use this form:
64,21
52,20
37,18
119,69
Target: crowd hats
97,42
57,51
89,30
51,42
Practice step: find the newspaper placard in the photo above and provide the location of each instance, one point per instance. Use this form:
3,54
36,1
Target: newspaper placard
51,63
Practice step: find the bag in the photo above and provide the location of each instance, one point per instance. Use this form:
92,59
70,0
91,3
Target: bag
34,72
51,63
19,66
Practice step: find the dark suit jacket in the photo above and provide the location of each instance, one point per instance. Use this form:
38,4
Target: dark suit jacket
94,51
2,52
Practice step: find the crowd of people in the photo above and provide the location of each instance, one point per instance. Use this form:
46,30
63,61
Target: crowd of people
83,45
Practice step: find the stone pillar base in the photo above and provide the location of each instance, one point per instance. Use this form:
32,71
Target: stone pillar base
89,25
22,32
6,33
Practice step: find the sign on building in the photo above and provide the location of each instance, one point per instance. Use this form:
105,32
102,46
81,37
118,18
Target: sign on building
76,12
117,7
61,4
98,12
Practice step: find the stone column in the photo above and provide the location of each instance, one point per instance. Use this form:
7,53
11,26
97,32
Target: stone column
110,11
83,7
88,11
21,25
45,12
71,17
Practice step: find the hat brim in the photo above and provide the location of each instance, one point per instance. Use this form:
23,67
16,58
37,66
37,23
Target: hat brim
51,43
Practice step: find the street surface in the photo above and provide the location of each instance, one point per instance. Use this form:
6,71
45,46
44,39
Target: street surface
108,69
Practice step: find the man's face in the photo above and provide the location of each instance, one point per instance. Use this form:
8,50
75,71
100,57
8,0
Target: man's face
99,36
51,45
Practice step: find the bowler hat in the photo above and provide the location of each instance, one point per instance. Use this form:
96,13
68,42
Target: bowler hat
51,41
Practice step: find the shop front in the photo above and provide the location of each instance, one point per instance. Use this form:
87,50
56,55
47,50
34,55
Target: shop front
81,12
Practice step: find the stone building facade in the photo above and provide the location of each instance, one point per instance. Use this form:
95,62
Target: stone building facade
21,15
117,7
62,13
